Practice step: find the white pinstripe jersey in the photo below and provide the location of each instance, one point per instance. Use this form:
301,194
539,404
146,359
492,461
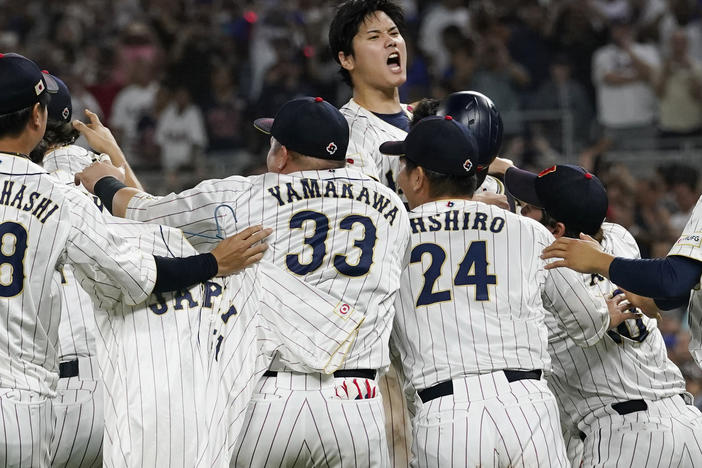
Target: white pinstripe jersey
45,225
338,230
367,133
77,324
615,368
690,245
472,298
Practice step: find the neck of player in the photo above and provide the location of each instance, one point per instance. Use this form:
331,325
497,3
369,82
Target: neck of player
382,101
21,144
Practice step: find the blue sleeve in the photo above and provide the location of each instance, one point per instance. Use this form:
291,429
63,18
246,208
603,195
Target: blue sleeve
669,303
669,277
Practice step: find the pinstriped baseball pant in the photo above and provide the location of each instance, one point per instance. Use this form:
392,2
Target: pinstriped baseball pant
295,420
78,423
668,433
490,422
25,429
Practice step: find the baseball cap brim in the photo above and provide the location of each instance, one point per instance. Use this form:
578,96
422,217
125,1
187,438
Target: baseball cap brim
264,125
51,85
393,148
522,185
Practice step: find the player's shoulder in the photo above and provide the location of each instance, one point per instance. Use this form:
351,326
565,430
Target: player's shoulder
70,158
619,241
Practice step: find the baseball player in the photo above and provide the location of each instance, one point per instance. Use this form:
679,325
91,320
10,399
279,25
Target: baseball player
365,38
469,321
44,226
668,281
336,229
623,389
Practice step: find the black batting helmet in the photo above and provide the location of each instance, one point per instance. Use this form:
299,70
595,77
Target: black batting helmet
477,112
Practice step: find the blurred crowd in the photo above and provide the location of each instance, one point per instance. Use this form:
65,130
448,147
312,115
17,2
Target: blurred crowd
180,81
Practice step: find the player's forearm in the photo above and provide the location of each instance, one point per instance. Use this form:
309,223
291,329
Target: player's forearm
670,277
173,274
114,195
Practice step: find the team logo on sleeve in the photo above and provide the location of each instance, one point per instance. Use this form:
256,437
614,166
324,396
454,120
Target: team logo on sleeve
694,240
331,148
344,310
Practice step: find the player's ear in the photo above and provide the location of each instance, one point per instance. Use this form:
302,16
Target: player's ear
37,114
558,230
347,61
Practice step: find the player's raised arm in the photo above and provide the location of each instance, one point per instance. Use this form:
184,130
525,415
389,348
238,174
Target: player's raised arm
108,182
101,139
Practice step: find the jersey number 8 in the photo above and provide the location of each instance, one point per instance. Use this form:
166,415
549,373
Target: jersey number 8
13,245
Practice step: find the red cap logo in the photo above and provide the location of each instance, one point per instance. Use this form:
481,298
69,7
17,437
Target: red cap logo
547,171
467,165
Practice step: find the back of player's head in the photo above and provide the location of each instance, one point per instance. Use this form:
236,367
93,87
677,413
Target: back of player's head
309,126
444,148
23,85
477,112
569,194
59,130
349,17
424,108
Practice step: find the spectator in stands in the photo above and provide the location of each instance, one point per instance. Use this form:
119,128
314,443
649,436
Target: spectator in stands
130,105
651,218
685,190
436,18
527,43
679,89
623,73
682,14
563,92
180,133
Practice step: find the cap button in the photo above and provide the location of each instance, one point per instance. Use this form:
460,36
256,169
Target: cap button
2,55
448,117
318,99
46,72
588,175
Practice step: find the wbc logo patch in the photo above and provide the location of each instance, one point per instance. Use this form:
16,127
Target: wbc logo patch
331,148
65,112
344,310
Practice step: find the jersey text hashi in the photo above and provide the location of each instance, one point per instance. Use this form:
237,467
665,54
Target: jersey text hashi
14,196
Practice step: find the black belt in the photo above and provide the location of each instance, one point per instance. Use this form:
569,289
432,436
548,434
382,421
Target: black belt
68,369
446,388
344,373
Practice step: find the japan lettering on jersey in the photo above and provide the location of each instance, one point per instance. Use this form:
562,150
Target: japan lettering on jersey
473,295
628,363
44,226
367,132
337,230
689,245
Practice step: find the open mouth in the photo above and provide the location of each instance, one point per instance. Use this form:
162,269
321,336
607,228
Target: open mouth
394,61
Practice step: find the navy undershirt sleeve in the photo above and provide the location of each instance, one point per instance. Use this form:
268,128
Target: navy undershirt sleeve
669,277
173,274
672,303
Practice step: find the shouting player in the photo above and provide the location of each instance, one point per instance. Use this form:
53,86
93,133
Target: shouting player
45,225
623,389
336,229
470,321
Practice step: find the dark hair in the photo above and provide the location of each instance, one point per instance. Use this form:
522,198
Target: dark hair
550,222
57,133
424,108
446,185
348,18
12,124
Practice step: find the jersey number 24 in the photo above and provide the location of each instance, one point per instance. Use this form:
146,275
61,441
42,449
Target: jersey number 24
471,271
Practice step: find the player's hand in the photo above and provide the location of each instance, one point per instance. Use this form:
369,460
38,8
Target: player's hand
620,309
99,137
496,199
96,171
244,248
645,304
584,255
499,166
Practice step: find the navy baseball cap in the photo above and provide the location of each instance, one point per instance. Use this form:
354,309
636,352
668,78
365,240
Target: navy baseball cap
440,144
21,82
309,126
568,193
60,107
